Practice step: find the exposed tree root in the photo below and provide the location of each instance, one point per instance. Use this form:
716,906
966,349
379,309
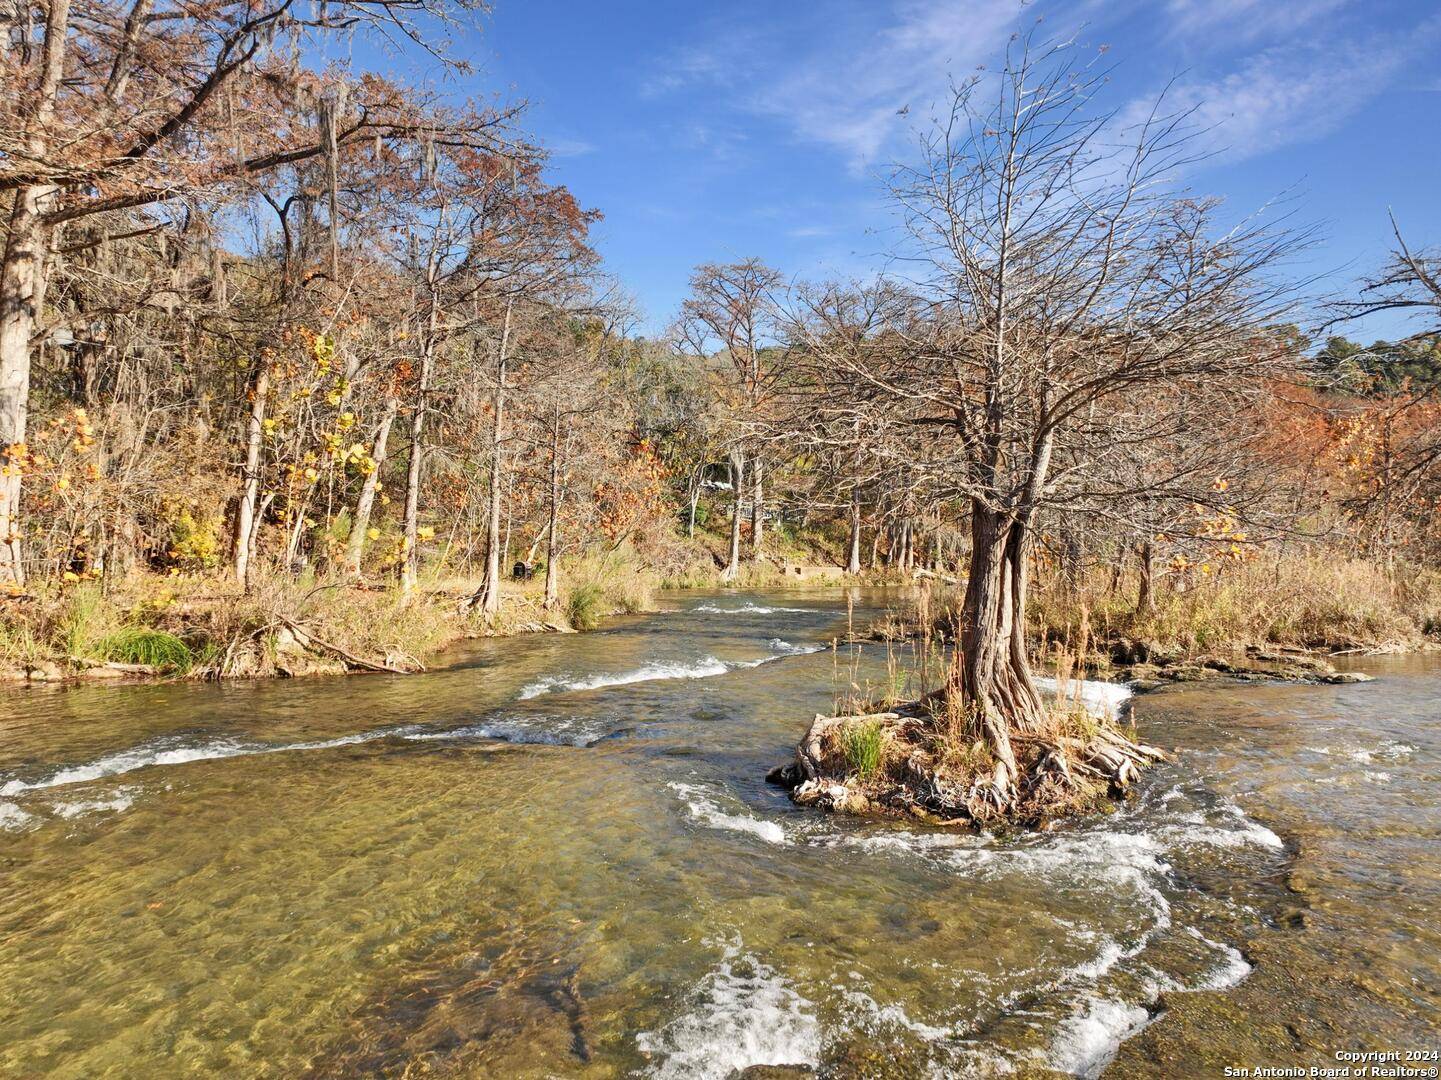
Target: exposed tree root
926,770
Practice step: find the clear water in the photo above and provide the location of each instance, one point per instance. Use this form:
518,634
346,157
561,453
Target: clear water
559,858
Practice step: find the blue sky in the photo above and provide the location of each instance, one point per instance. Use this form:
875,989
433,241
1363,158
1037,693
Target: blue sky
713,132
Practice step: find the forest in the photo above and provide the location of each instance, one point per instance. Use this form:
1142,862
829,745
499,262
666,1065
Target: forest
935,574
298,359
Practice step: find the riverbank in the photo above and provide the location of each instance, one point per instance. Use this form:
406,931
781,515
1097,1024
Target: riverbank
202,627
1288,620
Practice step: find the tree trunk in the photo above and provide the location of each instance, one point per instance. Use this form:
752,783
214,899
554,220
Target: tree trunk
738,469
409,558
991,683
488,595
246,517
694,499
552,546
853,564
1145,597
758,508
355,548
22,293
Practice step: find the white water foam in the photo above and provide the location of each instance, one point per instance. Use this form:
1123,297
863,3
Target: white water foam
1099,698
696,669
785,648
879,1016
1087,1040
544,731
703,668
14,819
747,609
143,757
705,810
1231,970
1119,858
1389,751
123,799
1233,831
742,1013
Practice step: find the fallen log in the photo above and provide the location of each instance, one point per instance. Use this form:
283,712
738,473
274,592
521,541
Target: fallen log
309,640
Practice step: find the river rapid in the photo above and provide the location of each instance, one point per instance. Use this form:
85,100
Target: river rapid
557,857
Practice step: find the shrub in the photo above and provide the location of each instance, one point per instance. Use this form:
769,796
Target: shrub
195,540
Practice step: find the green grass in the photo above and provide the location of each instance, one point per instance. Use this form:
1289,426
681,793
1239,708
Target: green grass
863,745
139,645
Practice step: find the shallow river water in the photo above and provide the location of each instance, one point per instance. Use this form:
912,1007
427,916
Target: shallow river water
559,858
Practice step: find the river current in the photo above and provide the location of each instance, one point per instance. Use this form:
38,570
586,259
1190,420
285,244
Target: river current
557,857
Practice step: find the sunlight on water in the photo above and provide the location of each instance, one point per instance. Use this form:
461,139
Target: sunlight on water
333,878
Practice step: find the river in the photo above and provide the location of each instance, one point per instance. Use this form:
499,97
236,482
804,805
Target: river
557,856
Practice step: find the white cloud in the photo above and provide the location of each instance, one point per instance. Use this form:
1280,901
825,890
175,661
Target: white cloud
845,83
1288,94
1269,72
860,94
1235,21
566,148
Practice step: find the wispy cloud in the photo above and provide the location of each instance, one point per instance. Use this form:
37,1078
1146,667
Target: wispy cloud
848,84
1267,73
682,68
1244,21
1287,94
858,97
569,148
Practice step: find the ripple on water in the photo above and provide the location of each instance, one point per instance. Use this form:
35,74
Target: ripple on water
578,731
749,609
176,750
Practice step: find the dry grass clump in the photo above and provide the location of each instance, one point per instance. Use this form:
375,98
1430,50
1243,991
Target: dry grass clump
1307,601
202,626
614,582
1303,601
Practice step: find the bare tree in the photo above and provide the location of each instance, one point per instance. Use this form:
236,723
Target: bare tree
1053,271
731,308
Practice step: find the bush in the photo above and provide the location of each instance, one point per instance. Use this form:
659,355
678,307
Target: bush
195,540
585,606
614,583
863,745
138,645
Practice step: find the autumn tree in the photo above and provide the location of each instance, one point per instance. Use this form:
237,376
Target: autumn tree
115,108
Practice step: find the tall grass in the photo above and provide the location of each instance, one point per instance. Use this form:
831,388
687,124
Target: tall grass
863,745
585,605
140,645
1308,601
609,583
